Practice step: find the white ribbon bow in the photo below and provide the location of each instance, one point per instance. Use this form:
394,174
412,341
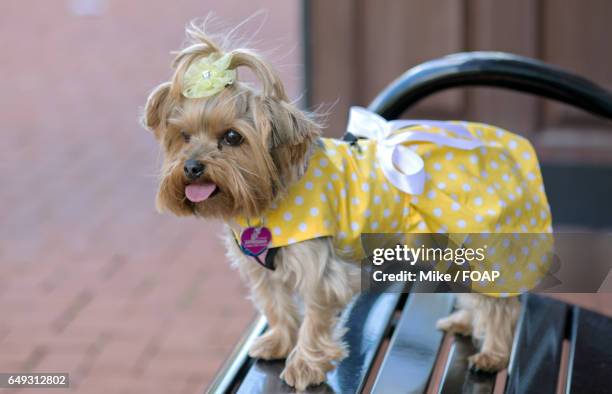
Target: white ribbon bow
403,167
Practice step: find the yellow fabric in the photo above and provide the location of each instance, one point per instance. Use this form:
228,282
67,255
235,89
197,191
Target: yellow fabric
494,189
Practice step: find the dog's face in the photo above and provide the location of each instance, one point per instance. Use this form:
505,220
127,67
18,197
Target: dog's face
229,154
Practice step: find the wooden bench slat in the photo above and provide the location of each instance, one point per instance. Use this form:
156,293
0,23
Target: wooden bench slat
536,357
414,346
590,363
368,317
457,376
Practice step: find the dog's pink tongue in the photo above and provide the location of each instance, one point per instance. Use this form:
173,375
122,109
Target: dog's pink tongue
199,192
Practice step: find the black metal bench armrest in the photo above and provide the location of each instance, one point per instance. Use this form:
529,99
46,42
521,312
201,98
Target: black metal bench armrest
495,69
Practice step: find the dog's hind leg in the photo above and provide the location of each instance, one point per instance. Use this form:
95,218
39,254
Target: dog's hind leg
494,323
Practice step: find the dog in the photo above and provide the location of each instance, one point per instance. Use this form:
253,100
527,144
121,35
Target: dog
242,154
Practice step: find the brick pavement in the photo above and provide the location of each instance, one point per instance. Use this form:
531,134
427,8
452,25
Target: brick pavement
92,280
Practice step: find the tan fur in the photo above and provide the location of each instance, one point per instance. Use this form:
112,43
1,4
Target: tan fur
490,321
278,138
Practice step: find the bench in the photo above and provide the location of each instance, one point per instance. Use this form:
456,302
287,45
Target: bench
394,347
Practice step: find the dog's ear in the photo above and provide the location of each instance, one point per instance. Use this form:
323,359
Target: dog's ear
288,124
154,111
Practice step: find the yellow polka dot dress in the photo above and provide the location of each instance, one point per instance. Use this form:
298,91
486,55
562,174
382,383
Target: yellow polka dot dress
496,188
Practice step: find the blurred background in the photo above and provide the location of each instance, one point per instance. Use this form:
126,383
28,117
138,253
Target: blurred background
92,280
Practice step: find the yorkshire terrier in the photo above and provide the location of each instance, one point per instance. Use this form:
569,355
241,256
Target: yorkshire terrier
236,152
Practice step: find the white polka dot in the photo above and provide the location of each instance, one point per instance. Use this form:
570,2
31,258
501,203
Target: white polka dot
519,191
478,218
354,176
374,225
405,211
317,172
512,259
532,267
437,212
452,175
511,197
299,200
506,177
376,200
532,221
291,241
455,206
314,211
502,203
355,226
490,190
526,155
385,186
461,223
367,213
484,174
287,216
531,176
372,174
543,214
365,187
308,185
512,144
466,187
277,230
422,226
341,235
523,228
437,166
478,201
355,200
441,185
394,224
303,226
326,223
386,212
517,212
491,212
518,275
449,156
474,159
343,192
415,200
431,194
397,198
323,162
335,177
332,152
494,165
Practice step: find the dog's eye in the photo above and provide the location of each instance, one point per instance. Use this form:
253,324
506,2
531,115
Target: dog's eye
232,138
186,136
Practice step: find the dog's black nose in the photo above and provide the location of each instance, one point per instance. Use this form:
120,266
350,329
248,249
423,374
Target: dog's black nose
193,169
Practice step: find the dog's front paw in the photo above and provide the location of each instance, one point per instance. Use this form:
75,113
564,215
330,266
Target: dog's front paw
301,373
454,326
272,345
487,362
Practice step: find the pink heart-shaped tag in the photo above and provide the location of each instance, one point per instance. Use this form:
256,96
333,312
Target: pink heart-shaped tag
255,240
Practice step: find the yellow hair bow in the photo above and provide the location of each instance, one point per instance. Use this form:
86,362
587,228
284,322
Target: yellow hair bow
208,76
